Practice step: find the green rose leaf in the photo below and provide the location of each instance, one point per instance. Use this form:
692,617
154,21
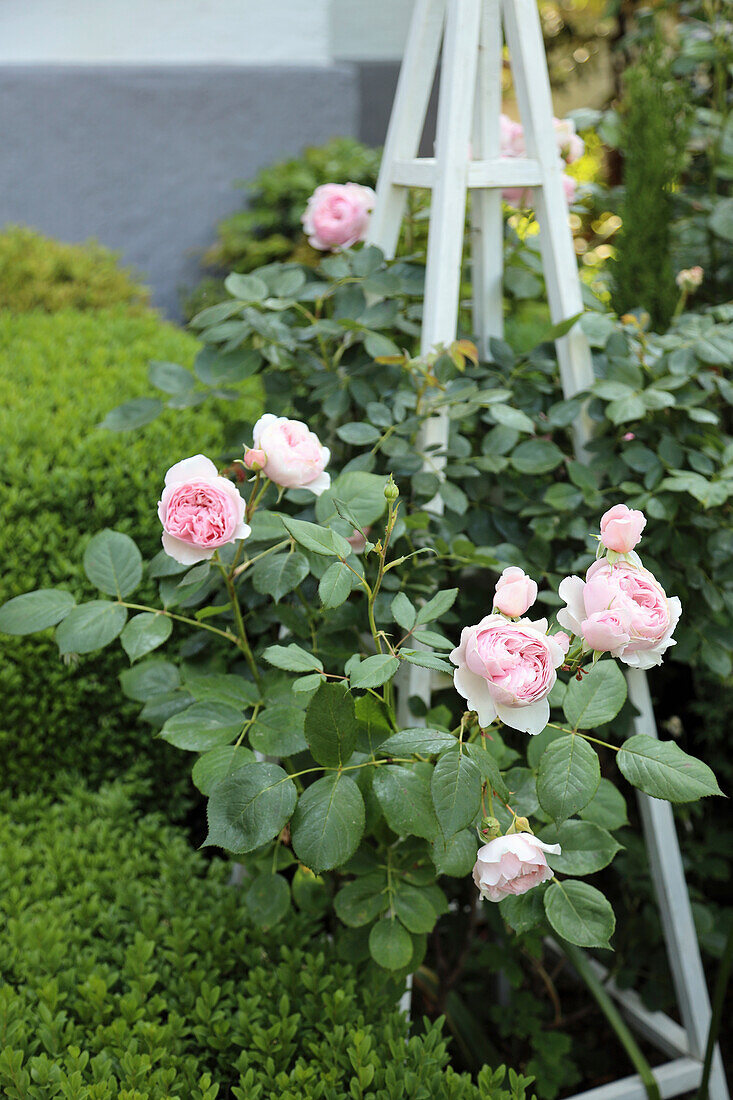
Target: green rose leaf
278,731
405,800
456,855
335,584
390,944
90,626
663,770
248,288
525,911
579,913
456,791
356,495
403,612
268,899
331,725
320,540
437,606
597,698
250,807
292,658
536,456
154,677
420,740
328,823
113,563
361,901
607,807
34,611
374,671
568,777
217,764
223,687
586,848
358,433
413,908
133,414
202,726
280,574
145,633
170,377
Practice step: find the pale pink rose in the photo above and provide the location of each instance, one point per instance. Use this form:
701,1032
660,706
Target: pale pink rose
295,458
624,587
689,279
628,436
570,187
523,197
511,865
507,670
357,542
570,146
199,510
563,640
511,136
254,459
337,215
621,528
607,631
515,592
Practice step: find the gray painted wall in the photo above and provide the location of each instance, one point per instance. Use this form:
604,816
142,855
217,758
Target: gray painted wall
144,158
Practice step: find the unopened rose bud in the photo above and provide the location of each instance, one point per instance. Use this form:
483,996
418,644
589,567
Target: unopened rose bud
690,278
515,592
519,825
621,528
391,492
254,458
490,827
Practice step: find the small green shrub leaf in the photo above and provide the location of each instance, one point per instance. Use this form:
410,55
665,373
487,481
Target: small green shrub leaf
663,770
597,698
249,288
250,807
34,611
90,626
328,823
358,433
403,611
579,913
568,777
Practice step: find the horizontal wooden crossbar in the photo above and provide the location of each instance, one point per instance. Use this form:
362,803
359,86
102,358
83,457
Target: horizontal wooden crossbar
499,172
673,1078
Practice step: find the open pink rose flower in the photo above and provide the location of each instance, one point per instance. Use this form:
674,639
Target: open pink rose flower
621,609
199,510
294,457
337,215
511,865
515,592
506,670
621,528
570,146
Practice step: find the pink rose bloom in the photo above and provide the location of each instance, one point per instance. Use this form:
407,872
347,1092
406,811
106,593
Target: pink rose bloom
337,215
628,436
515,592
563,640
506,670
645,613
570,146
511,865
294,456
570,187
254,459
511,136
199,510
523,197
621,528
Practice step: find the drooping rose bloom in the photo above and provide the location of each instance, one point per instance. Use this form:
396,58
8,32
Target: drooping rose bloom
294,456
337,215
621,528
511,865
199,510
515,592
621,609
506,670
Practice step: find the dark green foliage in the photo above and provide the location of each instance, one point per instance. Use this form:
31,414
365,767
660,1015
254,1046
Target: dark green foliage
654,128
39,273
131,969
63,480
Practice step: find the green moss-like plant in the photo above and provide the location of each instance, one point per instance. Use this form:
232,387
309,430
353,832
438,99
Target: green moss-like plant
654,128
62,479
39,273
131,969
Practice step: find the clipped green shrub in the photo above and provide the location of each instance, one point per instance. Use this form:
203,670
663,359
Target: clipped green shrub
62,479
131,969
39,273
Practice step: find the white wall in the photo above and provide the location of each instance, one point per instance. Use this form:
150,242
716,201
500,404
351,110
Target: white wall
244,32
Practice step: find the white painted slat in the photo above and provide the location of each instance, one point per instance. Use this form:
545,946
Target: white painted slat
491,172
674,1078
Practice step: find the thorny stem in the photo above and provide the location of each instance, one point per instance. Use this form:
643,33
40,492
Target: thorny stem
239,620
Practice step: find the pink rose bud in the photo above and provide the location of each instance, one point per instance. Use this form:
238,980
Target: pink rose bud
511,865
337,215
628,436
650,616
515,592
563,640
621,528
254,459
506,670
199,510
690,278
606,631
294,456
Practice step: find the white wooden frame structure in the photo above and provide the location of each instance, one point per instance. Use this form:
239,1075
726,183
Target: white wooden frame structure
472,33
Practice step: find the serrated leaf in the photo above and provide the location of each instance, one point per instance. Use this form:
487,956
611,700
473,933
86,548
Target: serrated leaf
154,677
579,913
320,540
217,763
278,730
90,626
413,908
203,726
145,633
456,791
34,611
456,855
277,575
420,740
524,911
133,414
113,563
335,585
360,901
390,945
374,671
250,807
586,848
597,698
437,606
607,807
292,658
328,823
405,800
223,687
331,726
662,770
403,612
568,777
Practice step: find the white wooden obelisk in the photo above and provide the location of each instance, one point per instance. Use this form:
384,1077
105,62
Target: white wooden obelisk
472,34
